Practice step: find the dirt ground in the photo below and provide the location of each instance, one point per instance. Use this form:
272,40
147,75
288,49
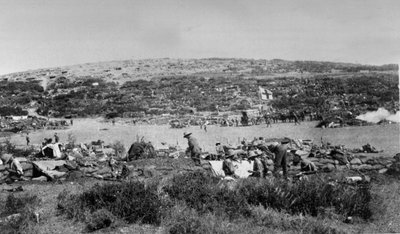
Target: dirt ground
382,137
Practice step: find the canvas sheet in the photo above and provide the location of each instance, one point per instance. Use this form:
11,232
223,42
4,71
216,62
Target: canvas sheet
47,167
242,168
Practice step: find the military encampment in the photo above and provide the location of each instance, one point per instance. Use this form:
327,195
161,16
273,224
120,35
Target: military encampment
199,117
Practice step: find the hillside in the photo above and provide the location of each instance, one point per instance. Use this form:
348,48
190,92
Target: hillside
139,88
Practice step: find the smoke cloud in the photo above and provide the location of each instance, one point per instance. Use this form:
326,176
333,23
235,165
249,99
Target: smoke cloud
380,114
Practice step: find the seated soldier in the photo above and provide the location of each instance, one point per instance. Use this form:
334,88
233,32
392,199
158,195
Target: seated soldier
227,165
305,164
220,150
14,167
259,168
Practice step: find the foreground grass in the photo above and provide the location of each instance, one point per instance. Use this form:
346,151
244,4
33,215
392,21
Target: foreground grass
178,216
198,203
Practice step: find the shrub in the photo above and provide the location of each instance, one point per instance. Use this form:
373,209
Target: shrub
99,219
23,208
131,201
202,193
10,148
308,196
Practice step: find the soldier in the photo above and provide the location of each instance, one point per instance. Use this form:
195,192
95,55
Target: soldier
194,148
28,140
227,165
280,151
259,169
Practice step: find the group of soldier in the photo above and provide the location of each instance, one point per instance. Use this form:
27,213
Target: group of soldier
258,151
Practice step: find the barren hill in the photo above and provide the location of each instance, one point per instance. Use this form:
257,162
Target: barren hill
121,71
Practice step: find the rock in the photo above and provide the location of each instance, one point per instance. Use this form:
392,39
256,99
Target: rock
364,167
397,157
377,167
269,162
341,167
356,161
326,161
394,169
383,171
328,167
40,178
353,179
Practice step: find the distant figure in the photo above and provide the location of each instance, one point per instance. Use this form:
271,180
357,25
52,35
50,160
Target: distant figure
113,122
220,150
28,140
194,148
296,119
56,138
268,121
72,122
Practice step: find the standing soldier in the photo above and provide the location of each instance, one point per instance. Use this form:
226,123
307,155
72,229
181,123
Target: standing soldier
280,151
28,140
194,148
56,138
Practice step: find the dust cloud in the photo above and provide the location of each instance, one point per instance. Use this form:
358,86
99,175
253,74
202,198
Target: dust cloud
379,115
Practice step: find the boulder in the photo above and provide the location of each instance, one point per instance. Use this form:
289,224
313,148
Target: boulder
383,171
40,178
326,161
341,167
397,157
328,167
365,167
394,169
377,167
269,162
356,161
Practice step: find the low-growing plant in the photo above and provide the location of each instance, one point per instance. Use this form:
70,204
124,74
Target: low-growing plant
99,219
202,193
131,201
23,208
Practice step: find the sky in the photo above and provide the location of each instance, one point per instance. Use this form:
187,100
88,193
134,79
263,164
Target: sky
47,33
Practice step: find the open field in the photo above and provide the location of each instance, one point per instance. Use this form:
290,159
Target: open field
385,137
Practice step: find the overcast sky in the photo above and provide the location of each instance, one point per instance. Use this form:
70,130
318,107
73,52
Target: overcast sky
47,33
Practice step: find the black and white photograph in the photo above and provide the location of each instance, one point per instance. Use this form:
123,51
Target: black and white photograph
199,116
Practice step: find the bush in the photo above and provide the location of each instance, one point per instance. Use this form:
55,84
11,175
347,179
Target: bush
24,209
131,201
203,193
308,196
10,148
100,219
